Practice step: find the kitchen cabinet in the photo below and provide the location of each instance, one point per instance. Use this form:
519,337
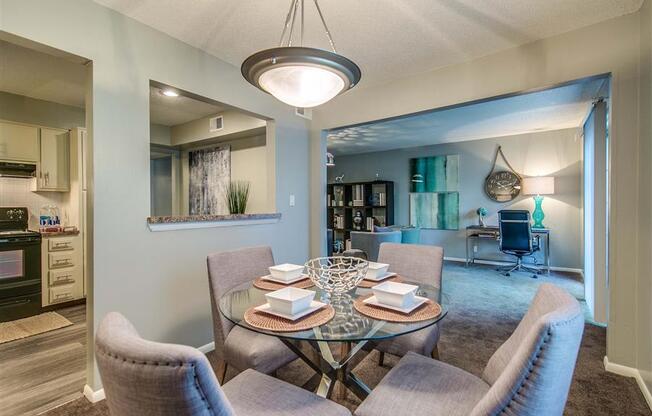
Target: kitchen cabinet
62,271
54,166
18,142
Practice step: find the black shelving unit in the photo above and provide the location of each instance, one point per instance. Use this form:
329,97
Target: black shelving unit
369,201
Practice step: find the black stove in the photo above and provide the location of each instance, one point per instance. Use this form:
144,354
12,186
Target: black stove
20,265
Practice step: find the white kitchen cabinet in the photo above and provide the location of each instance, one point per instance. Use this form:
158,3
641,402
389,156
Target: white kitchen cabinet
54,167
62,269
18,142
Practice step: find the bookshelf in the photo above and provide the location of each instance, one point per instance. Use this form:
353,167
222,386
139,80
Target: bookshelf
354,207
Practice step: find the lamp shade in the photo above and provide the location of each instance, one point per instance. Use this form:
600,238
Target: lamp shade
539,185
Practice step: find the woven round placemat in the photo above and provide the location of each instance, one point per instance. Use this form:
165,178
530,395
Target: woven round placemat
264,284
366,284
270,322
429,310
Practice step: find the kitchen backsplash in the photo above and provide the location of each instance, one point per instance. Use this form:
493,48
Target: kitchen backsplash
16,192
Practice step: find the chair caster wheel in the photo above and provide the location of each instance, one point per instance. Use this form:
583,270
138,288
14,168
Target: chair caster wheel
507,274
535,276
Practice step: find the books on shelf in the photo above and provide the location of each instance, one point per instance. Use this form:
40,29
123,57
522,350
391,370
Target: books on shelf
370,223
358,195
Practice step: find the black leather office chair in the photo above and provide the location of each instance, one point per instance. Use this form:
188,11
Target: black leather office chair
516,240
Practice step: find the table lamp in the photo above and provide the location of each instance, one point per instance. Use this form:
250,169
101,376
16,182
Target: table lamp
538,186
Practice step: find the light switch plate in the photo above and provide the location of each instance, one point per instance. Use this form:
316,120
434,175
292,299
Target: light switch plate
292,201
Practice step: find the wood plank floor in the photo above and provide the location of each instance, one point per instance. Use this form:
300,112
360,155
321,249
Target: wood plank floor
41,372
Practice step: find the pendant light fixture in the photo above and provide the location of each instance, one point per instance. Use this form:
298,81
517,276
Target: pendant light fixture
299,76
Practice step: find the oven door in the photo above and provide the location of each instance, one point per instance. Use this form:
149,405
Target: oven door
20,266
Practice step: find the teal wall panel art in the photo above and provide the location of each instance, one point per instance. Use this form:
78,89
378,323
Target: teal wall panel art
434,196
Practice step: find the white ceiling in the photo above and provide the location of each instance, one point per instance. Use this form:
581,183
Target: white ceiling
42,76
171,111
387,38
553,109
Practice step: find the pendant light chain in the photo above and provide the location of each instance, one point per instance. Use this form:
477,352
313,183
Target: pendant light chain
290,20
328,32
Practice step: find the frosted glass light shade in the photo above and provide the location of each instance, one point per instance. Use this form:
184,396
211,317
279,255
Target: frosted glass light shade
301,85
301,77
539,185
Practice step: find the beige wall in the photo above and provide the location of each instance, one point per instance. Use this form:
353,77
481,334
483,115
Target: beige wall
552,153
644,283
45,113
608,47
234,122
160,134
158,279
250,164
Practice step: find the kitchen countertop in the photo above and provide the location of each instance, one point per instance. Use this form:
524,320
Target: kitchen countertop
175,219
58,233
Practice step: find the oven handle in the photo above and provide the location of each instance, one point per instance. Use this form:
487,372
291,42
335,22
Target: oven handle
14,303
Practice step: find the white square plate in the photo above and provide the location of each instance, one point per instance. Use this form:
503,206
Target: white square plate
314,306
418,301
378,279
284,282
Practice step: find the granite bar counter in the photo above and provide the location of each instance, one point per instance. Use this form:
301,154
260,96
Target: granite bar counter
180,222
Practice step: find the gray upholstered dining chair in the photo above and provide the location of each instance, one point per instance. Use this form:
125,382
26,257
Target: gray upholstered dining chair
236,346
417,263
142,377
529,374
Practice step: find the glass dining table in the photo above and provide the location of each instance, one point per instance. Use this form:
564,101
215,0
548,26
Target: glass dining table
348,329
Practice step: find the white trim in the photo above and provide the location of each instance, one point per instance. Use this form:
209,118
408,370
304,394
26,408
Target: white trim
505,263
93,396
207,348
630,372
173,226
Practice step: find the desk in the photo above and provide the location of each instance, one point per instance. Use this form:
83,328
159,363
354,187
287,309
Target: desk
492,232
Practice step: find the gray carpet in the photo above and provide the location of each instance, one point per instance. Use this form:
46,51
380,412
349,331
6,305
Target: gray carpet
485,307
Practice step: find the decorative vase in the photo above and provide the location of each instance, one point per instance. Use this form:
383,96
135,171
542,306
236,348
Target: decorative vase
537,214
481,221
336,275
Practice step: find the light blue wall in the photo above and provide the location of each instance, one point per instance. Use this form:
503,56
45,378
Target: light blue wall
158,279
556,153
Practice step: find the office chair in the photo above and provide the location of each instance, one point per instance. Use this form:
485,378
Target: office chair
516,240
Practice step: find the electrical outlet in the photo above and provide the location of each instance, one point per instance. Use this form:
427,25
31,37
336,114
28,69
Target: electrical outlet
292,200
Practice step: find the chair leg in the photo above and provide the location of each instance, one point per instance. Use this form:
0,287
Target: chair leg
435,353
381,358
221,371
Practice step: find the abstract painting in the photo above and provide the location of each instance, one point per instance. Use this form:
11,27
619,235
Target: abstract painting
210,174
438,210
435,174
434,200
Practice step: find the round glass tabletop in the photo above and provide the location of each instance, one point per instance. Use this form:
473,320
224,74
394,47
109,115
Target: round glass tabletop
347,324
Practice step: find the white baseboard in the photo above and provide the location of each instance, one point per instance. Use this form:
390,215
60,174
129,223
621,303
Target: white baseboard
630,372
504,263
93,396
207,348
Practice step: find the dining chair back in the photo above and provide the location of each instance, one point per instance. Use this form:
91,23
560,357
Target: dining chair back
228,270
142,377
530,374
415,262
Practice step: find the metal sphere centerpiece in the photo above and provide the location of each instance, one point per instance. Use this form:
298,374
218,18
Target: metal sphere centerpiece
336,275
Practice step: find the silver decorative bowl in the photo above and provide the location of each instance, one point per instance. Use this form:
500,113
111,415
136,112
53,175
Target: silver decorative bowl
336,275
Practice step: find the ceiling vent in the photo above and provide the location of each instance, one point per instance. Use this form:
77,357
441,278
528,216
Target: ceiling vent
303,112
216,123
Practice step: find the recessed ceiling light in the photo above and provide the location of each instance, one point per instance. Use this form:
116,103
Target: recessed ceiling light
169,92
